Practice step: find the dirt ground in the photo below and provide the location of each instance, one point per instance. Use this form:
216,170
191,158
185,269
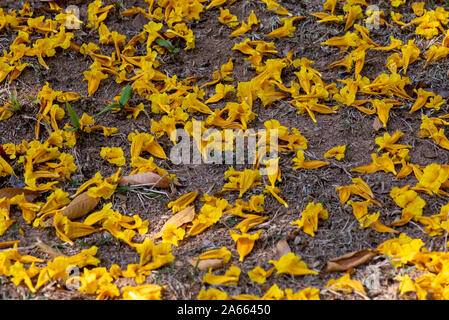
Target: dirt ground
338,235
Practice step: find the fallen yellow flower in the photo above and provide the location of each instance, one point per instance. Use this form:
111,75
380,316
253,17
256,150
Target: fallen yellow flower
208,216
304,294
401,250
67,230
291,264
274,293
251,221
301,163
173,234
338,152
287,29
143,292
360,188
241,181
113,155
383,162
231,277
245,242
309,218
212,294
182,202
245,27
221,91
141,142
432,179
227,18
259,275
411,203
345,285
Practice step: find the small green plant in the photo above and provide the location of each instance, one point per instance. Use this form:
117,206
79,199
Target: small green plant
404,271
117,6
38,70
83,244
15,104
103,241
32,99
167,44
73,117
348,149
124,98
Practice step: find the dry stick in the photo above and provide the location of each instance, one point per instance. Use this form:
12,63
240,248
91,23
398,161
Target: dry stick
139,196
328,290
362,295
18,248
418,226
342,168
150,190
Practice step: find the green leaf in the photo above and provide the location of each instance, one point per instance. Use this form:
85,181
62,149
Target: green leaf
115,105
34,100
73,116
165,43
126,95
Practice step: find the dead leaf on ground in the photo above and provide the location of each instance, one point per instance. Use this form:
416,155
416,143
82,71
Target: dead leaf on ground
182,217
349,260
9,193
80,206
377,124
282,248
53,253
147,178
205,265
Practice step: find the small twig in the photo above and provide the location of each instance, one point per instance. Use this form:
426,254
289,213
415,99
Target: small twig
362,295
19,248
147,191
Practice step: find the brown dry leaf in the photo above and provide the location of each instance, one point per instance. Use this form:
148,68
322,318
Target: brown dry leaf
282,248
182,217
349,260
12,192
53,253
377,124
147,178
80,206
205,265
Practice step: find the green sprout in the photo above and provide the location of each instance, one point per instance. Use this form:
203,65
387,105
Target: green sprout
73,117
124,97
167,44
